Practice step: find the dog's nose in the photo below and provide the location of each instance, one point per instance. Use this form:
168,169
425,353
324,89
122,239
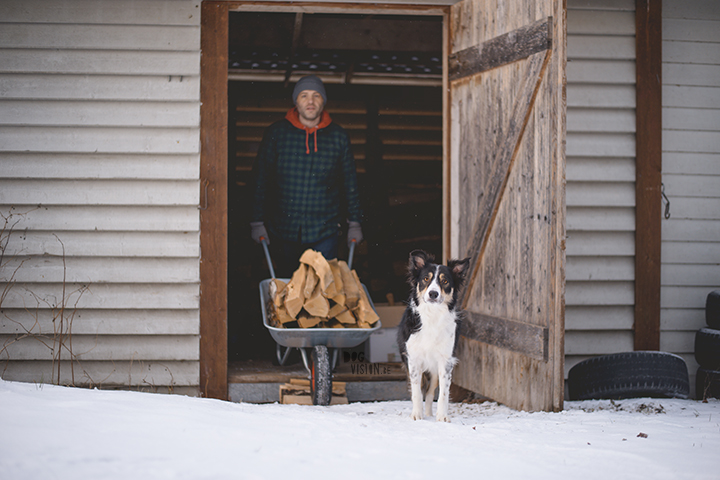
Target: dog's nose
433,294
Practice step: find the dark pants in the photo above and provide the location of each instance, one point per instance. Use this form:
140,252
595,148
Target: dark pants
286,255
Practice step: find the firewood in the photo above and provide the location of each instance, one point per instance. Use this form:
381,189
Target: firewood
320,266
294,299
346,317
317,305
335,310
339,296
352,295
311,281
305,320
364,311
283,315
277,289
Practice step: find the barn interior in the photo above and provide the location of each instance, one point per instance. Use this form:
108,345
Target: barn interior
383,76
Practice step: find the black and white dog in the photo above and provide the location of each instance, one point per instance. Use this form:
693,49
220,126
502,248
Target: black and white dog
428,332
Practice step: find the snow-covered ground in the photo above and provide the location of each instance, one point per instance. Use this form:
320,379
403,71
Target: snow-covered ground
50,432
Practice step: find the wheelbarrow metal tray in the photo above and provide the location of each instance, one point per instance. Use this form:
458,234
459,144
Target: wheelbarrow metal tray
310,337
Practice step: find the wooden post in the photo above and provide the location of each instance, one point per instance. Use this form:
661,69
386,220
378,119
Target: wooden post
648,203
213,194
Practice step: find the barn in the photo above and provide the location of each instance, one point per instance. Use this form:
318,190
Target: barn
581,174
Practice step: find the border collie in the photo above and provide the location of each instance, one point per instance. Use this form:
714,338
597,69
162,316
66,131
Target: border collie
428,332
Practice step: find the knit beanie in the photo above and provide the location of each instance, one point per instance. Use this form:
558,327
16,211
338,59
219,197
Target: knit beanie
310,82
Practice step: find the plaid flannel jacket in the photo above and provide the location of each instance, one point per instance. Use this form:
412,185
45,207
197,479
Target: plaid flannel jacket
305,183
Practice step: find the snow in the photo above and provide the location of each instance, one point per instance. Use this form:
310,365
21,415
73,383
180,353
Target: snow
52,432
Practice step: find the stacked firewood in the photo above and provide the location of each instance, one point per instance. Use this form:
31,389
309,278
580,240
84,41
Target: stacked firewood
322,294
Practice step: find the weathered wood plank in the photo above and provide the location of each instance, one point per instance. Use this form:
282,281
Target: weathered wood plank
117,219
99,192
103,322
100,140
502,50
103,347
105,296
100,87
127,12
100,37
529,340
143,375
98,270
99,113
103,244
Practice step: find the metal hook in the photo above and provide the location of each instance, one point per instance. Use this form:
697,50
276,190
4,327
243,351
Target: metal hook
667,200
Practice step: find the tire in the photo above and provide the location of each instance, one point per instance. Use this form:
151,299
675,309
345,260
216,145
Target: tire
629,375
707,348
321,380
707,384
712,310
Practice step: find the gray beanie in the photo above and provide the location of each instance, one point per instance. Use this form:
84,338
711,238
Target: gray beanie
310,82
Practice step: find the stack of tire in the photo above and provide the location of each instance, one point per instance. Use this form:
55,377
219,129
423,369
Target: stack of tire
707,350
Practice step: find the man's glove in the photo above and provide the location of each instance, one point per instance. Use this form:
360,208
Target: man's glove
354,233
257,230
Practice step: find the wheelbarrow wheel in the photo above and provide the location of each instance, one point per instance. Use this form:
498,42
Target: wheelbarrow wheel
321,381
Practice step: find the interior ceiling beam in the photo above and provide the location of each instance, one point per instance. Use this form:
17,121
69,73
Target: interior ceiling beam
297,29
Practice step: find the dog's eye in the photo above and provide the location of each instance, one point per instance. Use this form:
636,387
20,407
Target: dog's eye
428,277
444,280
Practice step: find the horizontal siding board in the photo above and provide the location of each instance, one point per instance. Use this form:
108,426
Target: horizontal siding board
103,322
627,5
100,37
677,341
600,269
600,22
685,297
601,47
691,230
100,140
600,243
592,194
105,296
607,120
690,163
599,169
690,96
692,119
691,30
100,192
691,141
705,186
104,347
599,318
99,270
600,96
691,252
600,219
85,166
99,113
600,293
100,87
107,374
150,12
118,62
691,52
697,76
694,208
600,144
691,9
123,219
103,244
598,342
691,275
682,318
600,71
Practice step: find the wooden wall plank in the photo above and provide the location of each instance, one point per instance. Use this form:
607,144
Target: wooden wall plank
100,87
103,322
213,172
100,37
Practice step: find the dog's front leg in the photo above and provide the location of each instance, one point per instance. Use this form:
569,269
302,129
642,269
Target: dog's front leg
444,395
430,394
415,391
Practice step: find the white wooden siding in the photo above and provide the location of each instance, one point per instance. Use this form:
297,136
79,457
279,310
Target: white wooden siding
691,170
600,174
99,164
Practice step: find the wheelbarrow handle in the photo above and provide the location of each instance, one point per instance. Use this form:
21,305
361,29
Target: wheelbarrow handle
264,243
353,242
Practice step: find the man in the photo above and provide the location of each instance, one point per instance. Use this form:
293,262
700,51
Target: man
305,181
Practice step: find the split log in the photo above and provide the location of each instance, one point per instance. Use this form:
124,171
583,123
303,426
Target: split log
350,287
317,304
294,298
364,312
339,296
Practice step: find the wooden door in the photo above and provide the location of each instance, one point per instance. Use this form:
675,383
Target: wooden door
506,78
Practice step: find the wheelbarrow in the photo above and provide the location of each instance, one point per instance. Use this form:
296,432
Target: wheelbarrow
319,347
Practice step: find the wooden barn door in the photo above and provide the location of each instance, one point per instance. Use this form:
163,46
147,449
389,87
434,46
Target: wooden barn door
506,76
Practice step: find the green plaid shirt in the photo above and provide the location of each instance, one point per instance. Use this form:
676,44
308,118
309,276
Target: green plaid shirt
300,196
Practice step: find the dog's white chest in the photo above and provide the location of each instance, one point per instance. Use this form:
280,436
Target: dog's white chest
433,344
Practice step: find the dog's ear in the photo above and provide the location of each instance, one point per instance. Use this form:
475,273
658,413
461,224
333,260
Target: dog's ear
418,260
459,269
